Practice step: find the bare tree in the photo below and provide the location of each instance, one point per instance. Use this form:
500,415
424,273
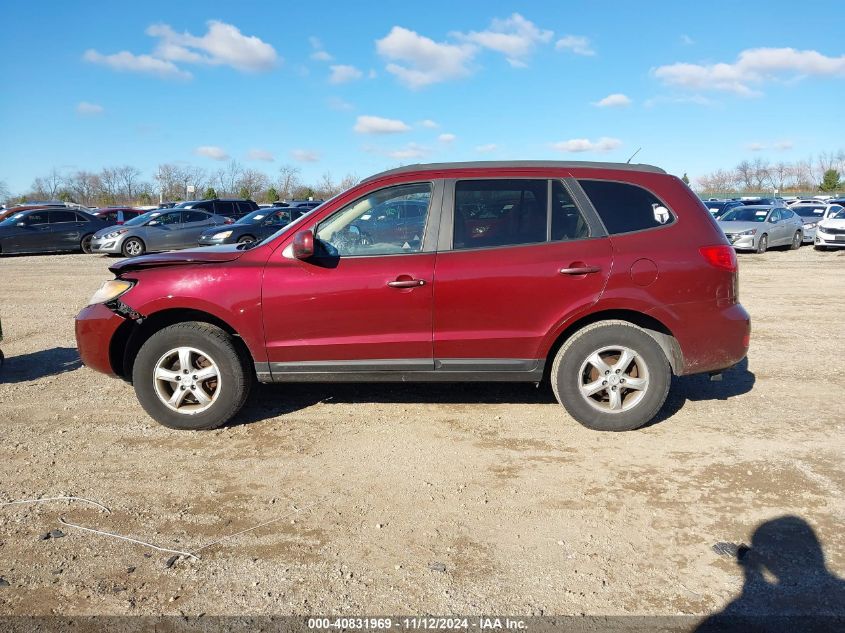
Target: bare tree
4,192
745,174
127,178
760,174
227,178
252,182
85,187
288,181
349,181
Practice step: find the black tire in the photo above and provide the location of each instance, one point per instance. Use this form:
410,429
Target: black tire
797,240
246,239
820,248
567,376
126,247
234,370
85,244
763,244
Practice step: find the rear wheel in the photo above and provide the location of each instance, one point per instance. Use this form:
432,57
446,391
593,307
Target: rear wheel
797,239
133,247
611,376
191,376
246,239
85,244
763,244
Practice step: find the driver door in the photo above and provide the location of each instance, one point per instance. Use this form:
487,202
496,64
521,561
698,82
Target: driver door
359,305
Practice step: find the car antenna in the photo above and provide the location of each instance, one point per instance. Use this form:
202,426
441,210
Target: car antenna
628,162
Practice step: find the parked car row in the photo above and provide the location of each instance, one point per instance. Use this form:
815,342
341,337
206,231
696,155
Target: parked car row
129,231
758,227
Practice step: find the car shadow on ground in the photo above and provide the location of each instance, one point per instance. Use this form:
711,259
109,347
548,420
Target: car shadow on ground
787,586
268,401
47,362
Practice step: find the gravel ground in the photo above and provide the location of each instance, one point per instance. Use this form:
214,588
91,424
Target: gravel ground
419,498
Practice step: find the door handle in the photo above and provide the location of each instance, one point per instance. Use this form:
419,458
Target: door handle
580,270
406,283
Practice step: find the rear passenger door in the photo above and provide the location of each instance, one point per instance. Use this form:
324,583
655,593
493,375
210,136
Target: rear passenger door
65,231
194,222
517,258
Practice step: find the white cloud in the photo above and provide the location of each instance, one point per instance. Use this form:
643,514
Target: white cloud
753,67
336,103
784,145
615,100
319,53
419,61
577,44
125,61
411,150
514,37
211,151
604,144
305,155
779,146
755,147
222,45
428,123
695,99
686,39
342,73
378,125
89,109
486,149
260,154
446,138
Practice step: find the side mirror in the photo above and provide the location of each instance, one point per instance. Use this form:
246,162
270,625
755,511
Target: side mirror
153,223
21,223
303,245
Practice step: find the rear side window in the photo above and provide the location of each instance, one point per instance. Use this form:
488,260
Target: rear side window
245,207
194,216
624,207
62,216
224,208
499,213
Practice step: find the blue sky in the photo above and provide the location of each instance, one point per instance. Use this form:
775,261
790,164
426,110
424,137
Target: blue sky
697,86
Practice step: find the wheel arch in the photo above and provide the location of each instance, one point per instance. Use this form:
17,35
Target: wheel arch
132,334
652,326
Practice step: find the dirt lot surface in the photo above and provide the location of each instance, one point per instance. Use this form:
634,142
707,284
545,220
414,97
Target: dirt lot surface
419,498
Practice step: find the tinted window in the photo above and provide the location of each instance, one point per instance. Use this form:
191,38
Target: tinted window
194,216
371,225
174,217
775,216
62,216
245,207
81,218
623,207
38,217
224,208
567,221
499,213
809,212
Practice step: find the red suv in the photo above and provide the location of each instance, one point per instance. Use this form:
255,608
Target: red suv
603,278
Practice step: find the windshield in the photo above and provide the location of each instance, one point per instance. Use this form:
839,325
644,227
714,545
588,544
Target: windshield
808,212
715,206
265,216
745,214
839,216
142,219
288,227
12,219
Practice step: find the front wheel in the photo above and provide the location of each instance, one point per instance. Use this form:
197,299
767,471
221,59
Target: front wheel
763,244
246,239
611,376
85,244
191,376
133,247
797,239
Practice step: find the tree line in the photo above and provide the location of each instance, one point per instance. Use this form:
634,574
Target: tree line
124,184
820,174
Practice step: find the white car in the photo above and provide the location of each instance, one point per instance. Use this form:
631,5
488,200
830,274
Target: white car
830,233
812,214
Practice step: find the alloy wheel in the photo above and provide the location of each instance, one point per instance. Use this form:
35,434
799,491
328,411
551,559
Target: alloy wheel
187,380
613,379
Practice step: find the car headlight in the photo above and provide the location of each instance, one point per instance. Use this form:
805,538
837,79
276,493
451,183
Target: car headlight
811,226
222,235
114,234
748,232
110,290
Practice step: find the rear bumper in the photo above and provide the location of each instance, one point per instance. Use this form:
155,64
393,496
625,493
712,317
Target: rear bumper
711,338
95,327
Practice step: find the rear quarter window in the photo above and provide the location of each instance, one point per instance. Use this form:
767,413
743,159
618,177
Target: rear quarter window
624,207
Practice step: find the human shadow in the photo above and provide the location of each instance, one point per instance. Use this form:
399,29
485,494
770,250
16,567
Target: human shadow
45,362
787,585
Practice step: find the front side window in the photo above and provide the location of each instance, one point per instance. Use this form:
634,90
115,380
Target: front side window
36,218
373,225
499,213
624,207
174,217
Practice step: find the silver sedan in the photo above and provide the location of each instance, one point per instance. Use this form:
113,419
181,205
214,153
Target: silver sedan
757,227
160,230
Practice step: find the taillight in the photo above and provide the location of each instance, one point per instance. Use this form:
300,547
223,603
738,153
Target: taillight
720,256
